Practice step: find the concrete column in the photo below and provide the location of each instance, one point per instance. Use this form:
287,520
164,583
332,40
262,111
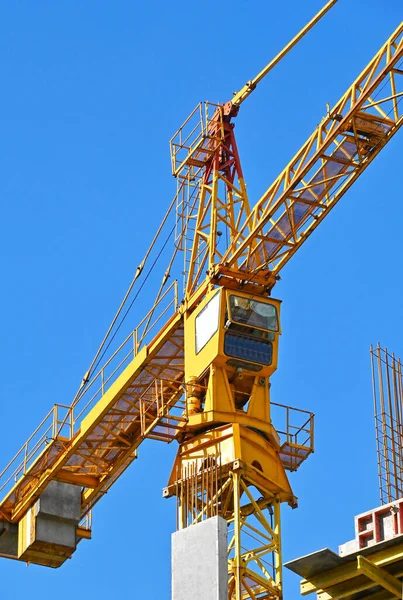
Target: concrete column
199,561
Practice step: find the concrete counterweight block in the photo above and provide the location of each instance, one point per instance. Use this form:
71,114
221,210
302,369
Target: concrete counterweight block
47,532
8,539
199,561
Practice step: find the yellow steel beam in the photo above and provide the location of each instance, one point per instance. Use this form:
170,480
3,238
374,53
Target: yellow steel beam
324,581
359,584
382,595
83,533
248,88
224,487
82,479
339,150
85,460
379,576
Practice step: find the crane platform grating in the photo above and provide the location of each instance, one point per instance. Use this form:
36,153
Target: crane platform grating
143,401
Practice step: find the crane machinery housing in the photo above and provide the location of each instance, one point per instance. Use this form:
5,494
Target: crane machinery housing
197,368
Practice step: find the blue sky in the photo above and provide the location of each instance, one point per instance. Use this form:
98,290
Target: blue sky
92,93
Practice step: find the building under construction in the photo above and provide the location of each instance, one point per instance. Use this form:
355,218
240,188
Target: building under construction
370,565
197,369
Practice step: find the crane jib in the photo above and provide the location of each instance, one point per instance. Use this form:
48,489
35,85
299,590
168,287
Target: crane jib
204,378
340,149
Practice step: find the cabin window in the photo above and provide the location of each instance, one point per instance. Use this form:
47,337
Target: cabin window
207,322
252,313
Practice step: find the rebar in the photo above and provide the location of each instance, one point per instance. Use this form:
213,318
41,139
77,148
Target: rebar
387,391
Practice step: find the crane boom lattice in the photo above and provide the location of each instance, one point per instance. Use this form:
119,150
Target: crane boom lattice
335,155
203,378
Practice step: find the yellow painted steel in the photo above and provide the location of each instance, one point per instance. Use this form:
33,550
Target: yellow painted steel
262,240
117,412
234,472
345,142
343,581
380,576
248,88
229,429
204,379
222,204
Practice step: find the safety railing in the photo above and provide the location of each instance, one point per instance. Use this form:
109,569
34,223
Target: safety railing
191,145
84,527
58,423
296,430
61,421
162,409
127,351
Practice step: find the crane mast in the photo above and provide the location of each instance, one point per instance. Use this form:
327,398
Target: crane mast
203,378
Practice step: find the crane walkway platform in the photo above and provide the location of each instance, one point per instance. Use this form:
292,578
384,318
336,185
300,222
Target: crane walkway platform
135,396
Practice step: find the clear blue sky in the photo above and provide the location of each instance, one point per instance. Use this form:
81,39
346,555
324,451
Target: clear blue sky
91,94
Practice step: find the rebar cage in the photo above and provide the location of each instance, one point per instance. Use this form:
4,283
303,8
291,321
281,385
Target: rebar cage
387,384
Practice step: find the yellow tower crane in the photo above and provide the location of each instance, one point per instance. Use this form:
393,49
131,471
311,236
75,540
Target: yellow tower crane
198,371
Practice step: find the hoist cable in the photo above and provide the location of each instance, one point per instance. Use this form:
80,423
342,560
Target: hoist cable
96,360
135,297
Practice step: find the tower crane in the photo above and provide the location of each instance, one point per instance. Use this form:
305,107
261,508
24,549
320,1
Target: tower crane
198,370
